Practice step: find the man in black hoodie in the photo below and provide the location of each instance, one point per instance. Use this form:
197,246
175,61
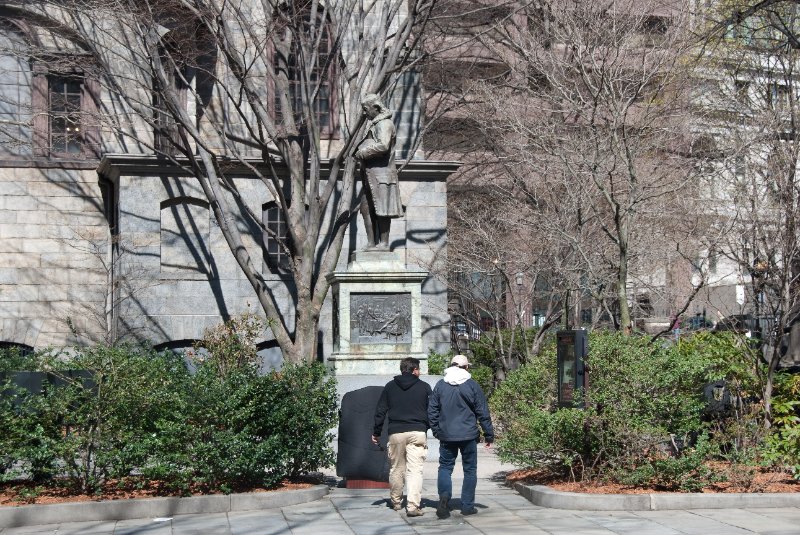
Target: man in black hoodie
405,401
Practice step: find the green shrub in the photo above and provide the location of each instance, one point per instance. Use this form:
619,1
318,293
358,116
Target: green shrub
724,356
88,426
437,362
687,471
108,416
543,439
531,385
645,387
642,397
782,445
302,435
22,436
484,376
23,439
14,359
530,432
137,412
737,430
244,429
33,446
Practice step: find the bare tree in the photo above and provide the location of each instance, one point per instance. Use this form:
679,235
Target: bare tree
498,268
588,128
273,87
753,61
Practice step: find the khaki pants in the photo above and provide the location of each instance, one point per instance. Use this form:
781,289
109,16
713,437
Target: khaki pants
407,452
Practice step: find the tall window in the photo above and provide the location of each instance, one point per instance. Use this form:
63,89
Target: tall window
322,74
65,113
66,135
166,130
779,96
276,239
179,52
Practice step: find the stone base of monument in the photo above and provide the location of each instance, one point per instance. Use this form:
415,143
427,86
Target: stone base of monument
387,363
377,318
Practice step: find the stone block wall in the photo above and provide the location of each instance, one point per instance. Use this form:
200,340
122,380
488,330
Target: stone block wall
166,306
54,253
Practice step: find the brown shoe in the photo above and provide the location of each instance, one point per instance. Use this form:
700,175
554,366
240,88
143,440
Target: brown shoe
414,512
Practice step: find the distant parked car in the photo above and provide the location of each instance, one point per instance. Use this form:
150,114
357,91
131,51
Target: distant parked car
695,323
739,323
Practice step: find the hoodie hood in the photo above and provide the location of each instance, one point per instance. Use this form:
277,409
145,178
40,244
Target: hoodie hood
456,376
406,381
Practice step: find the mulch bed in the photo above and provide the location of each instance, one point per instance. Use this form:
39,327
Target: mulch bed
739,480
15,493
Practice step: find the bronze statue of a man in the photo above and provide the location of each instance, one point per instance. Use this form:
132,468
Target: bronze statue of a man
378,172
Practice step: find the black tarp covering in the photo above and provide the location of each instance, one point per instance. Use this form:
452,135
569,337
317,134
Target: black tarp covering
358,457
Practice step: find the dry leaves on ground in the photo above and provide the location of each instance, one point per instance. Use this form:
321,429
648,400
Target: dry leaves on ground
739,480
24,493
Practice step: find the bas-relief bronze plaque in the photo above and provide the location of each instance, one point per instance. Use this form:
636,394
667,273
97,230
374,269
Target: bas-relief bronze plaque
380,318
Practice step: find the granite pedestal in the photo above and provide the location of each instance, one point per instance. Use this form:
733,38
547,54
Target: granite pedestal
377,317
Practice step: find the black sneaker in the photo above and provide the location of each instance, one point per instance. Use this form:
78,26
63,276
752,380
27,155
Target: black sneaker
443,509
468,512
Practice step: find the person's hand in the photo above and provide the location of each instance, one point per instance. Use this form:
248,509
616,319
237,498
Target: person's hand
375,439
488,445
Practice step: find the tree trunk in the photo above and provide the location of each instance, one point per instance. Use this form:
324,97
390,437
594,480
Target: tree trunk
622,280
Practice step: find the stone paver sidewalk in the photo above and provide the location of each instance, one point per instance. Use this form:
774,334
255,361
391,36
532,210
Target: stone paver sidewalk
502,511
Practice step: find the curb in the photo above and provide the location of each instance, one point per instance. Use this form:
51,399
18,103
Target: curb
29,515
546,497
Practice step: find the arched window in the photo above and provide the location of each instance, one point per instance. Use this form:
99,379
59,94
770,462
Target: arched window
192,355
185,227
15,349
276,239
185,53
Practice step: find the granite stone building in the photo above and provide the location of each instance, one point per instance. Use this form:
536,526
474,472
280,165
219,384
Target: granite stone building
106,232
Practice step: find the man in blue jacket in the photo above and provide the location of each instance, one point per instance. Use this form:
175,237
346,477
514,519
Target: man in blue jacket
456,407
405,400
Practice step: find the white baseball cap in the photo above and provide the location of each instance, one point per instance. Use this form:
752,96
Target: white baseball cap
460,360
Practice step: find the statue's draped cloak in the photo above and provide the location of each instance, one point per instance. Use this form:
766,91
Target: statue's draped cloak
378,168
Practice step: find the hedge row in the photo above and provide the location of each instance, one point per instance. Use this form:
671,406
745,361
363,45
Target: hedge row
648,420
137,412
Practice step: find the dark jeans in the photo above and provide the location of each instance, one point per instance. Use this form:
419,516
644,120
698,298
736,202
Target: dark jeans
448,451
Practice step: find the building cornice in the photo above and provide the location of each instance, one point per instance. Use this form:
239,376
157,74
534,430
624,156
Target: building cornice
112,166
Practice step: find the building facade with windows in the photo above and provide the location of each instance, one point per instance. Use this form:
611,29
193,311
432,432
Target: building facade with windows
105,236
